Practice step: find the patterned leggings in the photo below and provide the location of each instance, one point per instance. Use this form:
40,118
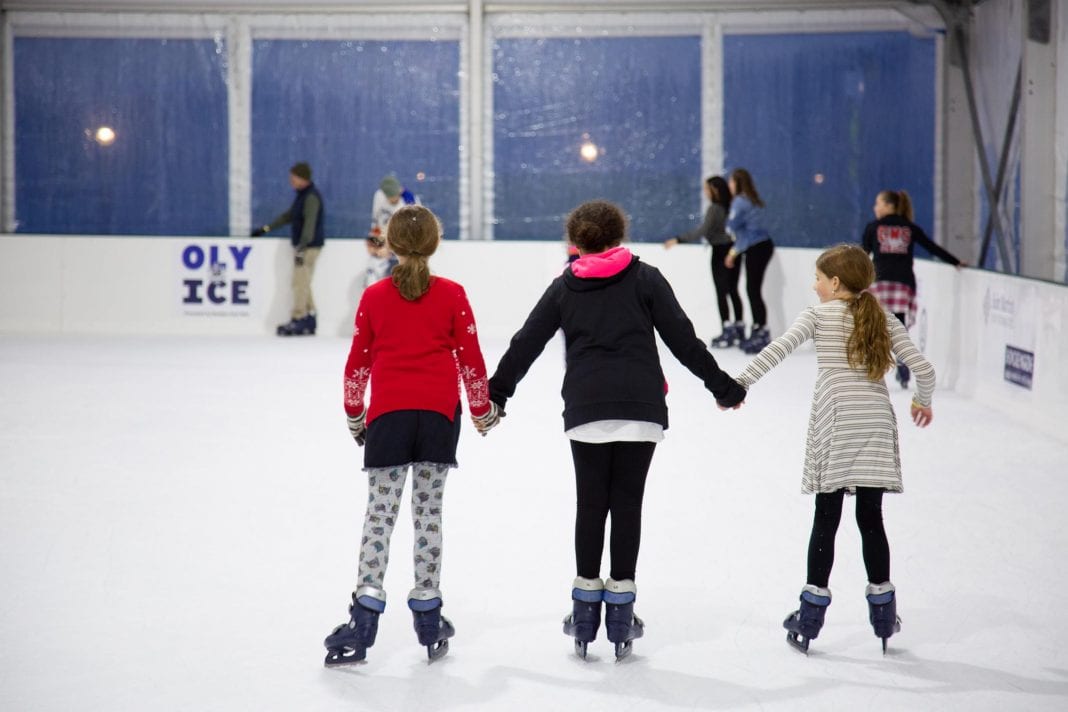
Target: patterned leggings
385,489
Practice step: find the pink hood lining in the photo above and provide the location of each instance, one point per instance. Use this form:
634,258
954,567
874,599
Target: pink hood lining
602,264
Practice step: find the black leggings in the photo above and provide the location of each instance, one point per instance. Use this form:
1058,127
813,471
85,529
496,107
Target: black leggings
609,477
757,258
726,281
872,535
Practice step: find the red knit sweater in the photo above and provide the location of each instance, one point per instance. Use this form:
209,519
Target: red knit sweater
413,352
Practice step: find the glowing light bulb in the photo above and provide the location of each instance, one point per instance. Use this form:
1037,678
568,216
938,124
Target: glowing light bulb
589,152
420,176
104,135
818,179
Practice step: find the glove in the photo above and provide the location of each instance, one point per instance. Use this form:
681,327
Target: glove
485,423
298,260
357,428
260,231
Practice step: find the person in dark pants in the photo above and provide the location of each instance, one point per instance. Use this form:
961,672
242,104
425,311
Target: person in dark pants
714,231
890,240
751,239
610,306
305,219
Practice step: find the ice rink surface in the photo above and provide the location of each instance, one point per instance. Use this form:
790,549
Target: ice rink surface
179,521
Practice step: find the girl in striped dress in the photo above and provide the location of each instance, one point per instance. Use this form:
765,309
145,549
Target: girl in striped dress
852,443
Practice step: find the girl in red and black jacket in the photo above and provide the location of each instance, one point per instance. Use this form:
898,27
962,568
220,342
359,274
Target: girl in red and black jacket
412,333
890,239
610,306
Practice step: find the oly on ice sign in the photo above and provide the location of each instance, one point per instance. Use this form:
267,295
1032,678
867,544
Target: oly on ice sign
214,279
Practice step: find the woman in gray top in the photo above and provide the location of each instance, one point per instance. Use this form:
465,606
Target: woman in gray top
714,231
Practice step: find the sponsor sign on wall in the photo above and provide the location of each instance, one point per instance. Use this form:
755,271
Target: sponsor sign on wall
215,279
1019,366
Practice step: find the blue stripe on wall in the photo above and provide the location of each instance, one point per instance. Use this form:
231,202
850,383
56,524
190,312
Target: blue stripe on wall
356,111
825,121
165,173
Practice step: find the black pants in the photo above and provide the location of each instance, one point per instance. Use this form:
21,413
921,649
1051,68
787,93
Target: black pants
726,281
609,478
757,258
872,535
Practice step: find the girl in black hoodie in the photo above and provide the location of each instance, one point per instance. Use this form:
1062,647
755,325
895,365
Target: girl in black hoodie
609,304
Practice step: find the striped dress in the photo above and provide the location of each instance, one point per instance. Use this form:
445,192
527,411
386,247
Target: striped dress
852,430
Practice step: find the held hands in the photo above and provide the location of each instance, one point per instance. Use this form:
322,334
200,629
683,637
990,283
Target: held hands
730,259
488,421
922,415
358,428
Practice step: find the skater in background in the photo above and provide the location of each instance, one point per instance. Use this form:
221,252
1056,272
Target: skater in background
411,335
610,307
852,442
753,241
390,197
890,239
305,218
714,231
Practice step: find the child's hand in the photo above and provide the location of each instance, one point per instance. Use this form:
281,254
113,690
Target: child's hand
358,428
921,415
486,422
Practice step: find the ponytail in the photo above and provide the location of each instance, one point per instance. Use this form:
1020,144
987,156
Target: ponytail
904,205
413,233
869,344
412,278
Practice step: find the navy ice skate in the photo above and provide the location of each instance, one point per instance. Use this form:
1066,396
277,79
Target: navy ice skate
803,625
882,610
432,628
585,617
756,341
621,625
302,326
731,336
349,642
903,374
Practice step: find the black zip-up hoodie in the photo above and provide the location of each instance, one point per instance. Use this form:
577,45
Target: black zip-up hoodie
613,369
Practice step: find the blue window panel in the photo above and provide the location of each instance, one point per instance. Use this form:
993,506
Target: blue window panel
638,99
826,121
166,172
356,111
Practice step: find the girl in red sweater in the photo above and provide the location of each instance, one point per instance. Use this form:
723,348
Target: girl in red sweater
412,333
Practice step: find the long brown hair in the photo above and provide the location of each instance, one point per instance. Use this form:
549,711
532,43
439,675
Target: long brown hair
900,201
743,183
868,346
413,233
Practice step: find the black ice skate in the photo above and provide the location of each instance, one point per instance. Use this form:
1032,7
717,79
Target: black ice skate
302,326
731,336
882,610
621,625
432,628
349,642
756,341
585,617
803,625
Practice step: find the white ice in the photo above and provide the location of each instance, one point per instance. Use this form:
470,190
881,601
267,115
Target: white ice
179,521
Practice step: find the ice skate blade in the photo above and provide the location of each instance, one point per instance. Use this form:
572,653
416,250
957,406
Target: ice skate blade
340,659
437,651
624,649
580,648
798,642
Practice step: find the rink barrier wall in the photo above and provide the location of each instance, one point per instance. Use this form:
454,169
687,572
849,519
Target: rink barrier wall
997,338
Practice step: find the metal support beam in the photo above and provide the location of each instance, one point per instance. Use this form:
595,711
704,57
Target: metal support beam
1003,162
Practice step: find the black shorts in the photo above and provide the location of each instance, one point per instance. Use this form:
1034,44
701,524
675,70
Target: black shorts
402,437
